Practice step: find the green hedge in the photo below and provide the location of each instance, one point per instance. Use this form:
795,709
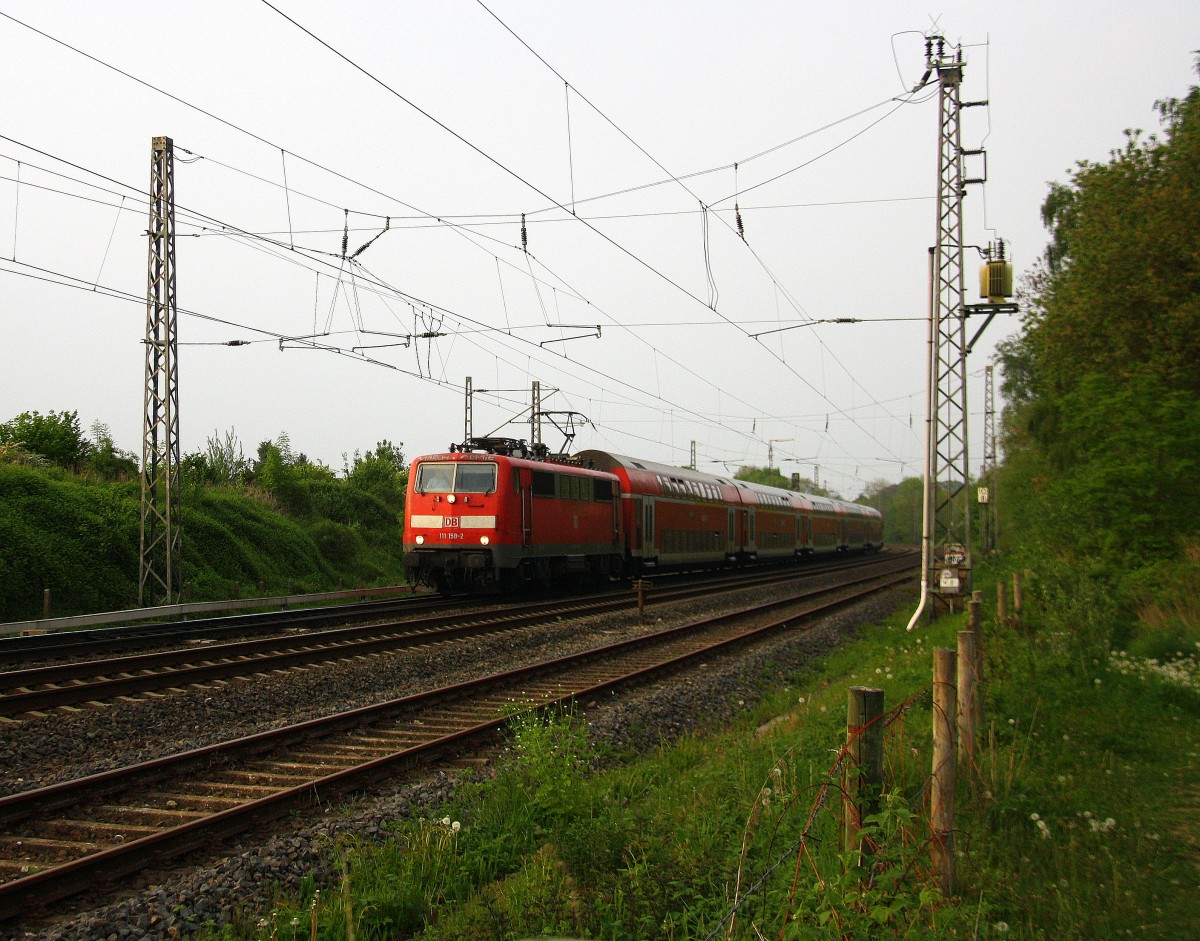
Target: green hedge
81,539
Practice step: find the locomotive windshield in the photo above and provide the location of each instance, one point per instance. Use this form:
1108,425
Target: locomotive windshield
455,477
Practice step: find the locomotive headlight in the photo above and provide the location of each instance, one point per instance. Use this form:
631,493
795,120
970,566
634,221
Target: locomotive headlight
420,540
483,540
452,499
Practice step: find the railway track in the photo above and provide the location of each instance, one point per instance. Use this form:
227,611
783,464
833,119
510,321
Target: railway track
62,645
73,836
36,690
17,650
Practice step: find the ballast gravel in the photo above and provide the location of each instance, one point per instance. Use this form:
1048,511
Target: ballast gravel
177,904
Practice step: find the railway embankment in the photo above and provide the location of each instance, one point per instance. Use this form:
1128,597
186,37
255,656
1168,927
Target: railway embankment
699,799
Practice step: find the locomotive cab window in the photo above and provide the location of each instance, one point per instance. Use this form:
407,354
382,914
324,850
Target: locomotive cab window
475,478
435,478
455,477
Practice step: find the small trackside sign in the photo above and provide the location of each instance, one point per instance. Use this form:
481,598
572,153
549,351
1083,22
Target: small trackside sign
948,583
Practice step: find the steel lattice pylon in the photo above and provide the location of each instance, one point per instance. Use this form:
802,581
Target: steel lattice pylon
946,540
535,415
161,575
469,411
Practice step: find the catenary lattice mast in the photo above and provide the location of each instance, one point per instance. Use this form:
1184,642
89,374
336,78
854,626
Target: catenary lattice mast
160,576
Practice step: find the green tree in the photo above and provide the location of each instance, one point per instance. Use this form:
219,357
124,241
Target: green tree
381,472
901,504
1118,293
773,477
224,459
56,436
276,473
768,476
105,460
1102,427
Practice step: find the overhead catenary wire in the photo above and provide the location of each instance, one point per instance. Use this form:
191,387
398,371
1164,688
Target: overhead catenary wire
246,235
278,245
423,374
707,257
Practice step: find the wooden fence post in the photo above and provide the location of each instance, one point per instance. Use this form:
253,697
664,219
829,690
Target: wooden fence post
941,818
977,627
864,762
966,693
1018,600
46,604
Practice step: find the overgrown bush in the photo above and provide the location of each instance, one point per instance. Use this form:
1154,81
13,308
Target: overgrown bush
335,541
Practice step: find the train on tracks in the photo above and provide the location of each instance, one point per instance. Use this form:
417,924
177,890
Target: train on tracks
494,514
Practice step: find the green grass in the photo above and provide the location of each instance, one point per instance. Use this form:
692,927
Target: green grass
80,538
1071,825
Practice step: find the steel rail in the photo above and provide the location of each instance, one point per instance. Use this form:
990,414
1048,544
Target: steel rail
72,683
112,862
23,649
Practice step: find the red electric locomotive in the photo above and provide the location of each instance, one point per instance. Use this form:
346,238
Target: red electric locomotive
508,517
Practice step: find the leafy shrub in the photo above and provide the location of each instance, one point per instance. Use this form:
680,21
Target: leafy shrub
336,500
56,436
78,540
337,543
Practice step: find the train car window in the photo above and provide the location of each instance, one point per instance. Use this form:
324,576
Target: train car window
435,478
543,484
475,478
602,490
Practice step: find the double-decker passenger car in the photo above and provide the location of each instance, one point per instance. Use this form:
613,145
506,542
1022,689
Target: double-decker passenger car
678,517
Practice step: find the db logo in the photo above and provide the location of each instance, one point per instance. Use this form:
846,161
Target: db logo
450,522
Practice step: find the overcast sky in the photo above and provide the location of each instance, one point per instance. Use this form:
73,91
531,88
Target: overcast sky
614,127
